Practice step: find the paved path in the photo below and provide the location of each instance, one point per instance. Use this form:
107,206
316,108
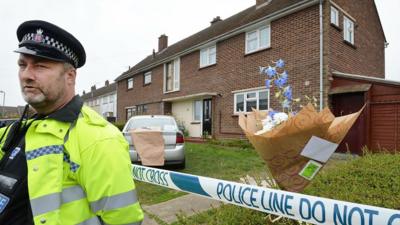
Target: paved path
188,205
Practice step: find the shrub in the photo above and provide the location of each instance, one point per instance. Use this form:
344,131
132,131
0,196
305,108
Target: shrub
119,125
238,143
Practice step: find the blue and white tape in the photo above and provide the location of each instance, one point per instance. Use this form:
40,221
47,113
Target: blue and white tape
296,206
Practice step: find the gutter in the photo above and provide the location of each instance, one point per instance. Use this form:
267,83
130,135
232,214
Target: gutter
321,55
276,15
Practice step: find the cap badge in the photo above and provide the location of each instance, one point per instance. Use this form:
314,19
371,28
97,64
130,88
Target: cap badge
39,35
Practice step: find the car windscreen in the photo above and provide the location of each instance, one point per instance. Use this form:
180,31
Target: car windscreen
160,123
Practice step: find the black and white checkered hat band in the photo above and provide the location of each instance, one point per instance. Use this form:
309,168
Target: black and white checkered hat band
54,43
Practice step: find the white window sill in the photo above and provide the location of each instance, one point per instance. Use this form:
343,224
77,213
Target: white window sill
168,92
208,65
257,50
237,113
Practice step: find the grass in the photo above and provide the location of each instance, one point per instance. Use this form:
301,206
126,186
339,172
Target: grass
209,160
372,180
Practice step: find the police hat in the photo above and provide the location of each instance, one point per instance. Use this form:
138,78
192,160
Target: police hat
46,40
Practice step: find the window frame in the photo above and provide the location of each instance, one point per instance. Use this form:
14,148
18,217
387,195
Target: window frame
245,100
175,76
350,31
336,11
207,51
128,82
132,111
259,46
147,74
194,111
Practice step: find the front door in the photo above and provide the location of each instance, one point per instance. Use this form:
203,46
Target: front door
207,115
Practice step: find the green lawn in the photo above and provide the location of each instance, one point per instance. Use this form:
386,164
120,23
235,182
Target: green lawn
371,180
210,160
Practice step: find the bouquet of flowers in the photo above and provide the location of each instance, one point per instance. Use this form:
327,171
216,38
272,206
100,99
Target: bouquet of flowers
294,145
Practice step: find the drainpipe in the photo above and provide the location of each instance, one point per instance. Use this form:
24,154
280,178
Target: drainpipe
321,55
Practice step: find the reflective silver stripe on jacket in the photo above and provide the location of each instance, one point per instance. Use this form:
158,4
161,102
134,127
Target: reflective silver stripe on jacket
137,223
115,201
72,193
92,221
46,204
51,202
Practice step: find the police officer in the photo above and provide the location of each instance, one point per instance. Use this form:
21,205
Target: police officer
66,164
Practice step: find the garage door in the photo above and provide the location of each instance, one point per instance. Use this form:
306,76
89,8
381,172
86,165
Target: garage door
385,124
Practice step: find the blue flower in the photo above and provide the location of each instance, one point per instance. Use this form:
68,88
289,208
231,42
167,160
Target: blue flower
288,93
284,74
268,83
280,82
280,63
272,113
271,72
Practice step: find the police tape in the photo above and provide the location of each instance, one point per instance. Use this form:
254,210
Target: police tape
296,206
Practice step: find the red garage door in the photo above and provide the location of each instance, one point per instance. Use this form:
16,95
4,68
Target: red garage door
385,126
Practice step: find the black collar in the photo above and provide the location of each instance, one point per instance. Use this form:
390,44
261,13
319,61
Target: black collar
70,112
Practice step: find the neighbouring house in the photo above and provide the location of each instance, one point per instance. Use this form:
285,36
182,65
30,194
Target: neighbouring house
206,79
103,100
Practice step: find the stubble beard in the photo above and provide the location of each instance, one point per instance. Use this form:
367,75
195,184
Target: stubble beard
37,99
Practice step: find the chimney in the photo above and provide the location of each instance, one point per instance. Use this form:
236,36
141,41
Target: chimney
83,93
162,42
215,20
261,3
93,88
154,53
107,83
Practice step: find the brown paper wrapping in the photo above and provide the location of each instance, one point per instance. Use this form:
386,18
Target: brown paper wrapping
149,144
281,147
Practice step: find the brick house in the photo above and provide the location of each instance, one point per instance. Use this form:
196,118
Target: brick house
207,78
103,100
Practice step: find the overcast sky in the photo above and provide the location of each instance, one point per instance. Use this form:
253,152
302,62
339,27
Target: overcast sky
119,33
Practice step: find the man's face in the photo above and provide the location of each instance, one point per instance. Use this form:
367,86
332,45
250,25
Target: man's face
43,82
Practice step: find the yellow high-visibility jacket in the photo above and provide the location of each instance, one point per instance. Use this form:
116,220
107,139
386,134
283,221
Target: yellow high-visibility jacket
86,178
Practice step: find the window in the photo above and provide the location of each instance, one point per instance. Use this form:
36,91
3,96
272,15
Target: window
171,76
147,78
130,83
245,101
208,56
131,111
111,98
258,39
334,16
98,101
197,108
348,27
141,109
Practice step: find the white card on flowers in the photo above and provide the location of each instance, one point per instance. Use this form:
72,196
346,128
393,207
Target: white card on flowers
319,149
